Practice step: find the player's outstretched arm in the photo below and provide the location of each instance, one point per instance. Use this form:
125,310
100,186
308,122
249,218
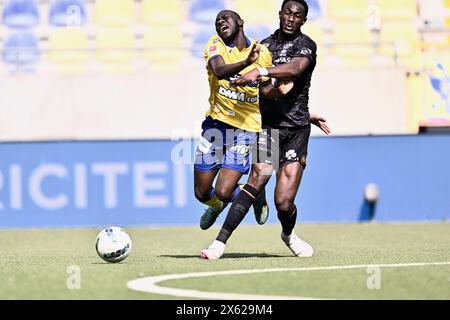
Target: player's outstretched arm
269,91
222,70
319,122
287,71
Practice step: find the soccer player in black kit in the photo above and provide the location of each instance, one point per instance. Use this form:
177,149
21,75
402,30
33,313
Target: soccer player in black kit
286,125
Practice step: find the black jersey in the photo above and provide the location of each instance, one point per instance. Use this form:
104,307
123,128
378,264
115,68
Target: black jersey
292,109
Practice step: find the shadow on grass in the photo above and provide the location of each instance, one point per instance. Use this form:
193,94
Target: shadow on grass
227,256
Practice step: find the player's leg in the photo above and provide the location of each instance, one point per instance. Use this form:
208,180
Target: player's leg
204,190
288,182
234,163
289,176
259,176
208,160
245,199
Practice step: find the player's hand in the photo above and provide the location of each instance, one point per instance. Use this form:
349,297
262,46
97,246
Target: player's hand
284,87
246,78
254,54
319,122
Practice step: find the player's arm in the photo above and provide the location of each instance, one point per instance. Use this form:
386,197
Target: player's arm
287,71
269,91
222,70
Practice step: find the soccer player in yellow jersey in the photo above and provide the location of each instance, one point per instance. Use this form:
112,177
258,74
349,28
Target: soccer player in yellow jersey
233,119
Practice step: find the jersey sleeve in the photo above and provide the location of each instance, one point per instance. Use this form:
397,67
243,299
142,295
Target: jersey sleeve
213,48
306,49
264,60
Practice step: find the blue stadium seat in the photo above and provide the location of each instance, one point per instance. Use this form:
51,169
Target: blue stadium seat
315,11
199,42
21,48
20,14
67,13
205,11
258,32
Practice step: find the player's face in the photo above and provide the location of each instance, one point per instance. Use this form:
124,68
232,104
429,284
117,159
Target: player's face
292,17
227,26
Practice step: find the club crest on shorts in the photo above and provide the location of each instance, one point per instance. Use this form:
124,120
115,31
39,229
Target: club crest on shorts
291,155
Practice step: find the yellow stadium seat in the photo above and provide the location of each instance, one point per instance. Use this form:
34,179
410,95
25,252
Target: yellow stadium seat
447,21
115,13
352,40
164,48
397,9
116,49
68,50
348,9
68,45
399,39
156,12
257,11
314,31
447,4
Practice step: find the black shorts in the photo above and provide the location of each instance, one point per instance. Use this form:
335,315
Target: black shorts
284,145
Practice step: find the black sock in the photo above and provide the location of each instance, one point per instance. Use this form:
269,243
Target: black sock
237,212
288,221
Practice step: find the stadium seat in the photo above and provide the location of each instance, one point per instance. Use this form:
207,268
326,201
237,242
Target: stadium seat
164,48
68,45
315,11
115,13
352,40
258,32
398,9
116,49
199,42
314,31
447,4
20,14
257,11
399,39
447,21
167,12
348,9
205,11
21,48
67,13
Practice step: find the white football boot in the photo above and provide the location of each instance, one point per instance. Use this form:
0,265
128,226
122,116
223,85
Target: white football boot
214,251
298,247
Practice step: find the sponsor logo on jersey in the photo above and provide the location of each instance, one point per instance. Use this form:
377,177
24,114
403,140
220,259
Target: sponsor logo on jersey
236,95
282,60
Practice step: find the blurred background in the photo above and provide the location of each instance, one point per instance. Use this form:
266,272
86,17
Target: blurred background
95,96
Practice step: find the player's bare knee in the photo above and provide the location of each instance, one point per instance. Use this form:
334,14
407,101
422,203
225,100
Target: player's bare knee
284,206
259,176
224,194
201,194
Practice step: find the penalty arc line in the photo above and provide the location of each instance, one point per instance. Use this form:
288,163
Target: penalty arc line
149,284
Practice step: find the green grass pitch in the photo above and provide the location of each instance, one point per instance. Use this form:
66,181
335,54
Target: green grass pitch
34,263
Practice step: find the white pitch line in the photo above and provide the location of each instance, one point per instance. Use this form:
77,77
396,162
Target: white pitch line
149,284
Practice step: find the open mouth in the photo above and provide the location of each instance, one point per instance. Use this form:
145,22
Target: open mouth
224,28
289,27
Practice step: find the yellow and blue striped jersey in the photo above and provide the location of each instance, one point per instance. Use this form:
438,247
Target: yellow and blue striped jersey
236,106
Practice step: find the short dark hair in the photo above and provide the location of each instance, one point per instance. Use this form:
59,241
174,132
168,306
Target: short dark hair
302,2
233,13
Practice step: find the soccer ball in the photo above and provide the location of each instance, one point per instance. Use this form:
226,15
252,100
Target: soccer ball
113,244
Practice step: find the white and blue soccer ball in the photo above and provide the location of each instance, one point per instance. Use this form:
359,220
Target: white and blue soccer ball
113,244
